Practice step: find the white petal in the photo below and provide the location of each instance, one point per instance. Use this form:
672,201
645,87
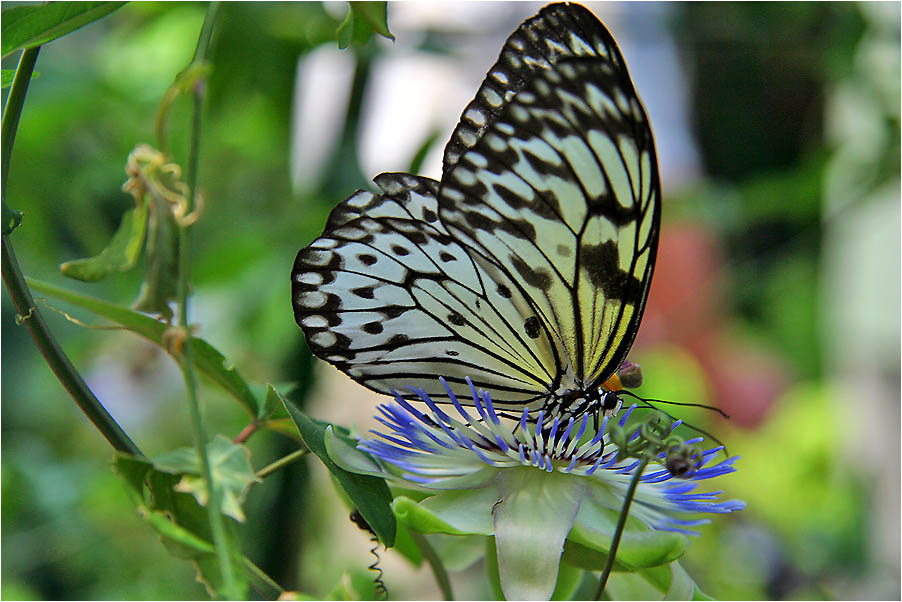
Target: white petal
536,513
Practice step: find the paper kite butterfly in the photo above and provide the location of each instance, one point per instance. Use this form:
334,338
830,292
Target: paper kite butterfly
527,267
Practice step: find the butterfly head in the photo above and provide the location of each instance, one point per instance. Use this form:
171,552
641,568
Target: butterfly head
610,403
606,399
603,401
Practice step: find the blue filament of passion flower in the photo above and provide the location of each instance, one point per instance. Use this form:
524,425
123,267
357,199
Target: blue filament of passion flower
414,436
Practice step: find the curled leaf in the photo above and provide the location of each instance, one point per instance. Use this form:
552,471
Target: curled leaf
120,255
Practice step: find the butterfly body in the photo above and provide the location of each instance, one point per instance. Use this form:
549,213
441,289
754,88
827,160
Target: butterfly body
526,267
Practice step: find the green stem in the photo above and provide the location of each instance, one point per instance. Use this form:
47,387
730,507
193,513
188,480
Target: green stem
283,461
56,358
31,317
621,523
435,563
217,524
263,583
13,110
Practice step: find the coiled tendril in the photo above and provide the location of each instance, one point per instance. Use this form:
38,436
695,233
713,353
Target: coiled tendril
358,520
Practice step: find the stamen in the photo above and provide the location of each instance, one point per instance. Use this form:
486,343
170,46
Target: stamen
552,436
564,438
626,415
491,409
570,466
539,440
477,400
579,435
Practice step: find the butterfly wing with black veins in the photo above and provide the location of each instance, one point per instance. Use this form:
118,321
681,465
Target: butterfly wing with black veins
561,188
387,296
527,267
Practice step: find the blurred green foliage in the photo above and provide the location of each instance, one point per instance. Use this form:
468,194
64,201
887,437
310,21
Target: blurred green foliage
761,79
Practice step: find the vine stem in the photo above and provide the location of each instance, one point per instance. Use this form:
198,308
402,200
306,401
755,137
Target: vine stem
28,313
618,531
283,461
217,524
435,563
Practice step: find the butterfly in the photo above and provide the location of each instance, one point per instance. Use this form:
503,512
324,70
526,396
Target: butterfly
526,268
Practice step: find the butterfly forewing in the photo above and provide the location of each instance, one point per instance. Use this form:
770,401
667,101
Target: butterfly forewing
561,189
558,31
527,267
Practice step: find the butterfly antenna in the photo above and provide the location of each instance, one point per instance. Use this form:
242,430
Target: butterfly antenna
379,584
675,403
688,425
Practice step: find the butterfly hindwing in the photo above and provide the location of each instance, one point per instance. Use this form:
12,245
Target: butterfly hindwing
387,296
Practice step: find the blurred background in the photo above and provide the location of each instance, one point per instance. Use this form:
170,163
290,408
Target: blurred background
776,293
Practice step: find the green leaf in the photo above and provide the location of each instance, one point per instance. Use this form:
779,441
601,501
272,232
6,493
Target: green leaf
10,74
120,255
364,19
353,586
375,15
161,261
416,163
206,358
181,543
272,403
407,547
132,470
211,362
231,467
370,495
28,26
568,580
181,522
345,31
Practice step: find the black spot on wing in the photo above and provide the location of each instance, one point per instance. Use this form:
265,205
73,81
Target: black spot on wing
602,263
364,292
373,328
536,278
398,339
531,326
456,319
